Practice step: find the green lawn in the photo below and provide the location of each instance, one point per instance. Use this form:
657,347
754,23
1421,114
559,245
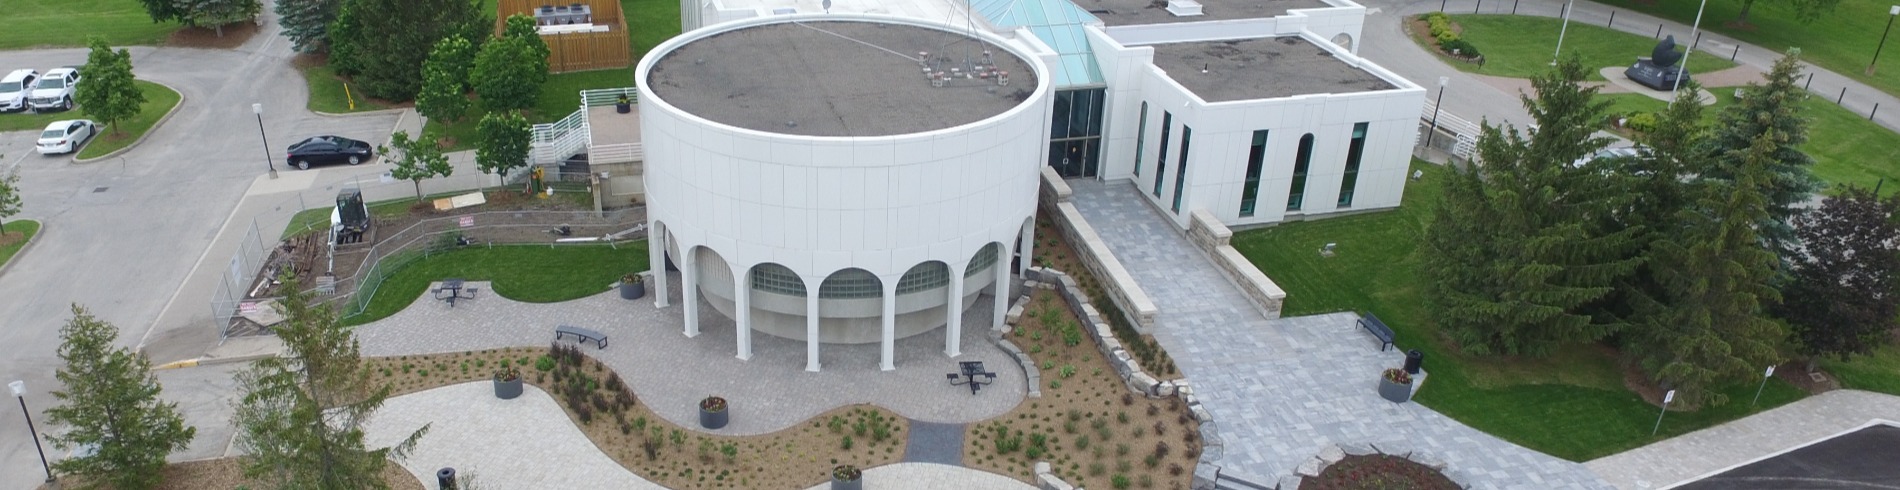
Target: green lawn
1846,147
1879,371
329,94
69,23
651,22
1521,46
26,227
158,101
1571,405
529,273
1842,41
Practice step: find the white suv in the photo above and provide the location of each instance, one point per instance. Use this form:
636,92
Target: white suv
54,91
14,87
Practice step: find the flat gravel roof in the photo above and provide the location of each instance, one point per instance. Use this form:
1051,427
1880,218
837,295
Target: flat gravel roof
1261,69
834,78
1136,12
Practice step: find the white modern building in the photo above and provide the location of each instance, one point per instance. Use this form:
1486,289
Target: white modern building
870,150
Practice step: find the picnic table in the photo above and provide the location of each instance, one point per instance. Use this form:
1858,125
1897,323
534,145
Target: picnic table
455,288
968,373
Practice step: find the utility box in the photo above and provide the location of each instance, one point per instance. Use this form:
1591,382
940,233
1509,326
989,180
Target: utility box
350,219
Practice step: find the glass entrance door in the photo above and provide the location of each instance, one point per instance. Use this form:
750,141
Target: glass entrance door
1075,132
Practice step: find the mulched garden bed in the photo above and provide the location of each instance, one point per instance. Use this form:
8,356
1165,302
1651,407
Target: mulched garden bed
1378,472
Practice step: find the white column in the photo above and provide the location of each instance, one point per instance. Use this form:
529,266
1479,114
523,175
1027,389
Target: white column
953,323
656,262
689,287
1027,244
1002,289
811,325
742,298
888,360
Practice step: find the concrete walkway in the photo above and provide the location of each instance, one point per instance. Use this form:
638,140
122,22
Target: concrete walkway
926,476
1275,387
671,372
1738,442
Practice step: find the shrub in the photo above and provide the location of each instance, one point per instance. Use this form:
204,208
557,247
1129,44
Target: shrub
846,443
1081,442
1642,122
545,363
1459,47
1119,481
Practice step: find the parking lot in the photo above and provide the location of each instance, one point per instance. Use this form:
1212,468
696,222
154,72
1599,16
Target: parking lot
1861,459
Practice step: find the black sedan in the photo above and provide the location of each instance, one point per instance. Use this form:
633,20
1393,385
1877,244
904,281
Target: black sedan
327,149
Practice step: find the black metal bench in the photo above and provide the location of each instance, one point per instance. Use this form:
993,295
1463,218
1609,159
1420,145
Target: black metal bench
1371,323
581,335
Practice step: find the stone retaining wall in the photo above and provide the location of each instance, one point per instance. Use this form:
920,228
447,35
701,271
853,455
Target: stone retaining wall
1209,235
1094,253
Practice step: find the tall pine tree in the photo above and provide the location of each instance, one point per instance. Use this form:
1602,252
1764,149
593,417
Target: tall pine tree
1710,329
1527,256
307,23
1773,108
109,401
300,421
1658,182
383,43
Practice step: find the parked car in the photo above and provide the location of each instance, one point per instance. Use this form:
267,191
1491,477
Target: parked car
14,87
66,136
54,90
327,149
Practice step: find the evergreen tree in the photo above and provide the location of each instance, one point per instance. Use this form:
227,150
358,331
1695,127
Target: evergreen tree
163,10
508,74
216,13
1529,256
1657,181
383,43
1771,108
108,93
307,23
444,78
506,139
1711,330
1845,296
9,198
422,158
300,421
109,401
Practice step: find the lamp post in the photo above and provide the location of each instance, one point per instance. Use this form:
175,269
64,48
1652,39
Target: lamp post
1683,65
1439,105
258,109
1891,13
19,391
1560,34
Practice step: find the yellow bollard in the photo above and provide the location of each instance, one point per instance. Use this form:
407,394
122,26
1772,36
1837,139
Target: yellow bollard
347,96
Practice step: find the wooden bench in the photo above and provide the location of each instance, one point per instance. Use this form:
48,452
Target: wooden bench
581,335
1371,323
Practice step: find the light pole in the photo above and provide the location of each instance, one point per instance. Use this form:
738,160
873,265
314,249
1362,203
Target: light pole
1891,12
1560,33
1437,106
258,109
1683,65
19,391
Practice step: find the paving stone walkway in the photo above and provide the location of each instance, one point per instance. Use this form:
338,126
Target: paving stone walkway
1718,448
931,442
1275,387
671,372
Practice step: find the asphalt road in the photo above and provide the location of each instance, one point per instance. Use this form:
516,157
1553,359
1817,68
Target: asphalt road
1846,462
122,235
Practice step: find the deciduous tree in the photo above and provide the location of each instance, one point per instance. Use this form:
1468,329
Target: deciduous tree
1845,296
422,158
506,139
1804,10
300,421
216,13
9,198
382,43
444,80
109,402
109,94
508,74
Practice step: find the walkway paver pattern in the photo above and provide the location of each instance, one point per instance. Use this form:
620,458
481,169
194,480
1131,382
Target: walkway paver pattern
1275,387
527,442
671,373
1717,448
931,442
927,476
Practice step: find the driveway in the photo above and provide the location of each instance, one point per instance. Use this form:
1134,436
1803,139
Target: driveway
122,234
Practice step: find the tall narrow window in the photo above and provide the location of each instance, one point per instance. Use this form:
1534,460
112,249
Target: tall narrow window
1353,152
1141,136
1296,194
1161,161
1251,191
1180,168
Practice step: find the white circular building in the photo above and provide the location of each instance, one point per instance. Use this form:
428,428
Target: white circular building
888,165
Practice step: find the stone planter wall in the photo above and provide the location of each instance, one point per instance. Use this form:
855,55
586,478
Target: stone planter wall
1094,253
1209,235
1046,480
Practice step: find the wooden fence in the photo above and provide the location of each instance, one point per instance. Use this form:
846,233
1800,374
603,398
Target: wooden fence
579,51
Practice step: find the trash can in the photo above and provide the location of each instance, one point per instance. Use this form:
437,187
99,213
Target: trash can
445,478
1413,359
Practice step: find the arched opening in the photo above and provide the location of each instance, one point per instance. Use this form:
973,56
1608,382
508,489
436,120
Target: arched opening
852,283
1344,40
923,277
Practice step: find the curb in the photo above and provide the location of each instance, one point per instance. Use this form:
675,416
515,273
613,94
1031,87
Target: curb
188,363
25,248
358,113
148,132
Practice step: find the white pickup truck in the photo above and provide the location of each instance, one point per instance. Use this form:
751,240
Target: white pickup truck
54,90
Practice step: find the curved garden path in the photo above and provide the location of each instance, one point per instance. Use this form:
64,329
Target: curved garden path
671,372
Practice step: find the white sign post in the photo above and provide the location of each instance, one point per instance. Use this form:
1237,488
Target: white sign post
1764,384
1667,397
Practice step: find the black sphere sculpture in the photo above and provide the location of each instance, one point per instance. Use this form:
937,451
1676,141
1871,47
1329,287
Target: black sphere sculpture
1659,70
